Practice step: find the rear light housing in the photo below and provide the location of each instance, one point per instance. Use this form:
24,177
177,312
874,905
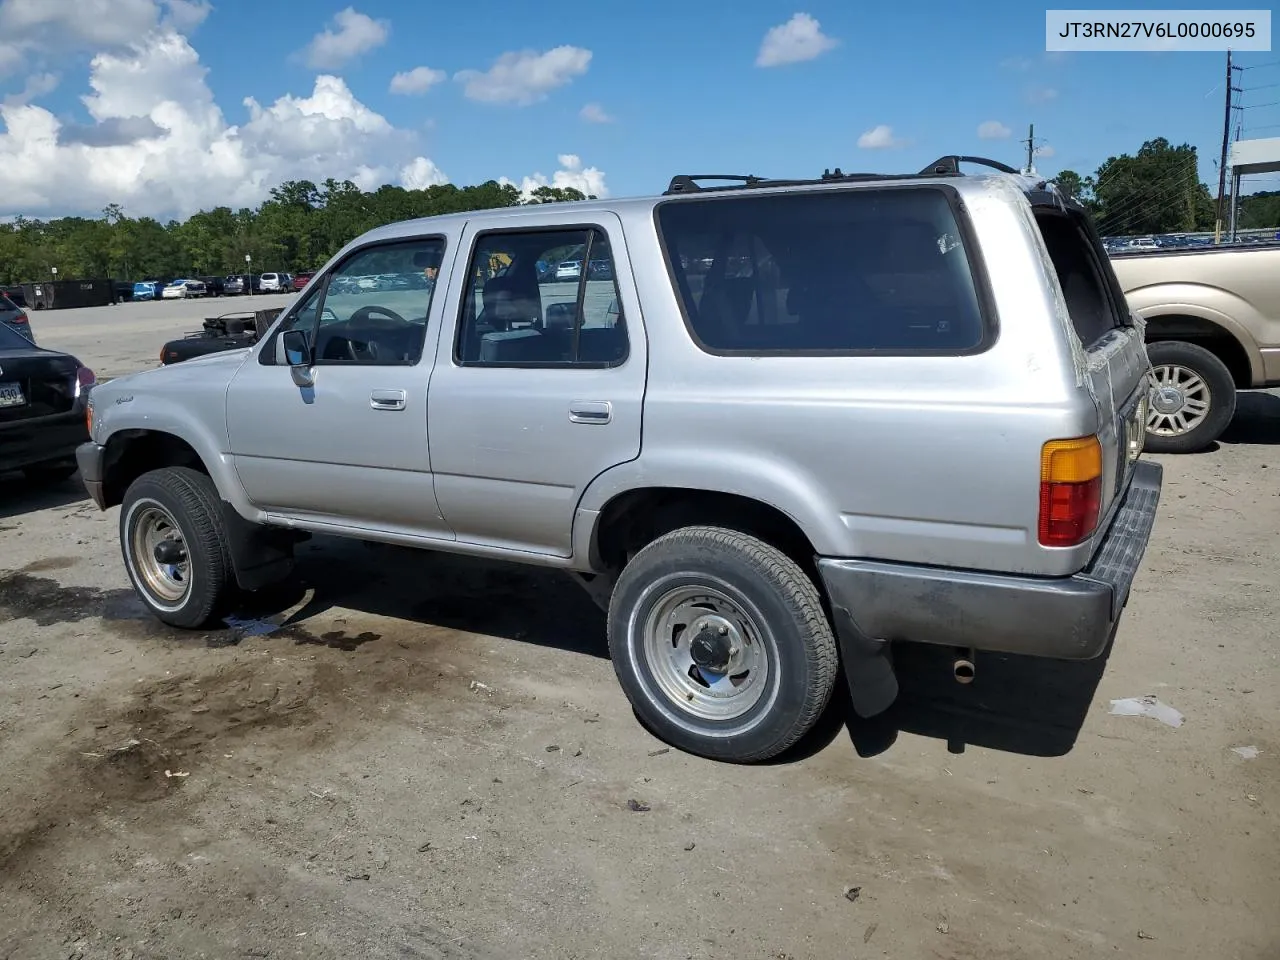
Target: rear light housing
21,317
84,380
1070,491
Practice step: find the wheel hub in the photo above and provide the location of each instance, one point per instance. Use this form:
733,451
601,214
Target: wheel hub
170,552
1167,400
711,649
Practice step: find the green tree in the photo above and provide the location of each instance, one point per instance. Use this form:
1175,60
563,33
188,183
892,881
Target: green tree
1157,190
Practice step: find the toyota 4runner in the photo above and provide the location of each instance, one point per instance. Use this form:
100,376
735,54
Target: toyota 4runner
788,425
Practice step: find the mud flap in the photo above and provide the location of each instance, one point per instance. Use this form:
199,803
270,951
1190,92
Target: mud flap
260,555
868,667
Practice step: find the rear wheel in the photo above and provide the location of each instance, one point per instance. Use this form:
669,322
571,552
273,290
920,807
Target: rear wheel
1192,399
175,546
721,644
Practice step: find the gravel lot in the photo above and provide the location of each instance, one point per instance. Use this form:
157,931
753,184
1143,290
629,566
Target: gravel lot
434,760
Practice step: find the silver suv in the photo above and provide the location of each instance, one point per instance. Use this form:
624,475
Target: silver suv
786,426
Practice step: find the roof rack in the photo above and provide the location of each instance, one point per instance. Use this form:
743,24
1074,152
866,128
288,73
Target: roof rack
948,166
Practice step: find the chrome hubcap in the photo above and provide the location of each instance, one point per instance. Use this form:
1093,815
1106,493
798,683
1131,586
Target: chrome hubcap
706,655
160,554
1180,401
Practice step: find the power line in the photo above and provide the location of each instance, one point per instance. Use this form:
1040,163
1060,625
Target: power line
1259,66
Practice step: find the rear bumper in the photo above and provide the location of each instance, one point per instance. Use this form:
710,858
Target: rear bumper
1066,618
91,459
25,443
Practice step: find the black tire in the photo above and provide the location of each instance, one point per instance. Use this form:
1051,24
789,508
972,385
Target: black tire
50,473
782,609
1219,386
189,501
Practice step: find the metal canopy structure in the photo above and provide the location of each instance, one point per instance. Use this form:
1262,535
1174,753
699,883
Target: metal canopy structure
1251,157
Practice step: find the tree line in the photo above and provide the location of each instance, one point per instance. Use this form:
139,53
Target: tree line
297,228
1158,190
301,225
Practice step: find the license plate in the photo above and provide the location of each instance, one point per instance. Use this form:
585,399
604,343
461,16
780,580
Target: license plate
11,395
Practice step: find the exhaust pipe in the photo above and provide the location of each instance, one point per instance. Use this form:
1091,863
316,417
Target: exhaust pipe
962,669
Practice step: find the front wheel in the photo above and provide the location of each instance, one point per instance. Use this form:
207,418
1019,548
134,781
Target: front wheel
175,546
1192,399
721,644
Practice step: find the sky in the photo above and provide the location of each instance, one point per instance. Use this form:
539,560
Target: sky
170,106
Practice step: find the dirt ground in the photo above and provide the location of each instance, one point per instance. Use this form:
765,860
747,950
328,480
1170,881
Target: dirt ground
432,759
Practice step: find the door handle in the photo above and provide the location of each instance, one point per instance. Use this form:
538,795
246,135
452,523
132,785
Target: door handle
590,411
387,399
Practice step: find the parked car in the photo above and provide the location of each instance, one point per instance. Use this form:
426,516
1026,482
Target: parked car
148,289
898,427
240,283
213,286
1212,328
275,283
16,294
15,318
123,290
569,270
300,280
43,394
182,288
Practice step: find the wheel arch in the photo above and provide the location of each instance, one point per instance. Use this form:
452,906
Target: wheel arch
1219,334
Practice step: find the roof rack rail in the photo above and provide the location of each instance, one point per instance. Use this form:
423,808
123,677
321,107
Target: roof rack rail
688,182
950,165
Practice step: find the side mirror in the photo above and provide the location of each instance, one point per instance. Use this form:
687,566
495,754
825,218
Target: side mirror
293,350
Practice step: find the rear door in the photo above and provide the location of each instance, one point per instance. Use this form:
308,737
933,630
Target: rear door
539,384
1114,363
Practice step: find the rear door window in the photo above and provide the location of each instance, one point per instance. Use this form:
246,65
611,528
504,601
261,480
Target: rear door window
1085,284
826,272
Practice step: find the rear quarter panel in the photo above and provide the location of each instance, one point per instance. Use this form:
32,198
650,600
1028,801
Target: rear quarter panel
929,460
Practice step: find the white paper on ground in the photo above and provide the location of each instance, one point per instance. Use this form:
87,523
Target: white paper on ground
1147,706
1246,753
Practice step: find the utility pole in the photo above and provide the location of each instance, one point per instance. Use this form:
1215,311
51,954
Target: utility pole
1031,147
1222,163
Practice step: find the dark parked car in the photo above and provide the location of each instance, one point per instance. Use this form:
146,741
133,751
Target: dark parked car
231,331
14,318
43,394
235,284
213,286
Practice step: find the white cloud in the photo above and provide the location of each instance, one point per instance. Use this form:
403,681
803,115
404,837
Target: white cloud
44,28
571,174
37,85
417,80
879,138
1041,94
993,130
594,113
525,76
160,145
1045,151
351,33
800,38
420,174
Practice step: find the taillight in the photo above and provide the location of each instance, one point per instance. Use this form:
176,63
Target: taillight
84,380
21,317
88,417
1070,491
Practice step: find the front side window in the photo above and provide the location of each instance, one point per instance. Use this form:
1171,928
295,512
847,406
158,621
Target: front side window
542,298
835,271
372,309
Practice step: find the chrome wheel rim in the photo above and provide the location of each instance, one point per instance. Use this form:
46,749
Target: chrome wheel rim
707,656
160,554
1179,401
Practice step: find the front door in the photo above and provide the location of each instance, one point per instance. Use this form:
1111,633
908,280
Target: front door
351,448
539,383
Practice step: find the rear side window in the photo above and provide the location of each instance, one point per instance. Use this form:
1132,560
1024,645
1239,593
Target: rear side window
838,271
1084,284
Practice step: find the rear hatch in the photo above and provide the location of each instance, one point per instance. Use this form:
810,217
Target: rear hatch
1112,359
35,383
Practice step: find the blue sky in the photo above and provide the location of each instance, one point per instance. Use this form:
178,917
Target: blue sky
680,86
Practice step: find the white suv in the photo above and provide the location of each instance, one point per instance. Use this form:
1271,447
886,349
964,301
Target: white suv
274,283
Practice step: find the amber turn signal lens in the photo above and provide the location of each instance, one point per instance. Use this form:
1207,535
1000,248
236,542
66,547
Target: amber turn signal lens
1070,491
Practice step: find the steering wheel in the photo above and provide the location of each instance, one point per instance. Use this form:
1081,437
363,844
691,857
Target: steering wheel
389,320
365,314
